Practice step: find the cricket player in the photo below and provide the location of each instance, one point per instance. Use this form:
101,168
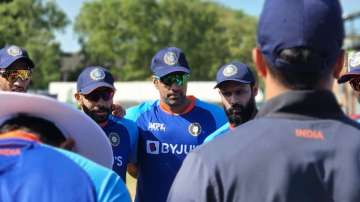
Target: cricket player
237,88
34,129
169,128
95,91
15,69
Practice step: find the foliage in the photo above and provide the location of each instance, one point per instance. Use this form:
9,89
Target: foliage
31,24
124,35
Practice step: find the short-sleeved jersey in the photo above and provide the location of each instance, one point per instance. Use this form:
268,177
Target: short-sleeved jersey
122,134
108,185
300,147
31,172
164,141
219,132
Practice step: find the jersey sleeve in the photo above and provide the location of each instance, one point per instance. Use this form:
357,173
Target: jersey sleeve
134,112
134,135
219,132
193,182
109,186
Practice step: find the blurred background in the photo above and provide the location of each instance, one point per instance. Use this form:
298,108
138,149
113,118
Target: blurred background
64,36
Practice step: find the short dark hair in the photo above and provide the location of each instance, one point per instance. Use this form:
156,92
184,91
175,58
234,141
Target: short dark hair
44,129
299,80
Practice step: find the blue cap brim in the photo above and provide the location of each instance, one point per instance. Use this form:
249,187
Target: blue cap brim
237,80
353,73
7,63
168,70
94,86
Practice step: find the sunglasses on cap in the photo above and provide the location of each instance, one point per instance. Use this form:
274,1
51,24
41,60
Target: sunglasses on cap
96,95
13,75
355,84
178,79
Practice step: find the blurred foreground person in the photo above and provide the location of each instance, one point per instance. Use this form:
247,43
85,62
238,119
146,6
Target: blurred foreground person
40,120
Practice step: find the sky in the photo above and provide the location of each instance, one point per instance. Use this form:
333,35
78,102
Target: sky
68,39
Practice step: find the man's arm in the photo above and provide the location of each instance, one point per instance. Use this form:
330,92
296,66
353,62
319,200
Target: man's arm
193,182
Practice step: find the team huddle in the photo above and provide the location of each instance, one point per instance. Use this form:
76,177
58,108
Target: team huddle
299,146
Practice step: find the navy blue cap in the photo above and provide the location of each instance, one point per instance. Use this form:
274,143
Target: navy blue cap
169,60
9,54
353,68
92,78
313,24
234,71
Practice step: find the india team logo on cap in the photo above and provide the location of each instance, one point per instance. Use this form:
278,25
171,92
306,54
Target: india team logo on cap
97,74
230,70
170,58
14,51
354,60
114,139
194,129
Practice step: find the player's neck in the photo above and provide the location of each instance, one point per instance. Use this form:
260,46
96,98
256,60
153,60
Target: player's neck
181,109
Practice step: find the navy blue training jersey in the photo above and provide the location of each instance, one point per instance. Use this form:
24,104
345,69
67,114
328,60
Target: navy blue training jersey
31,172
300,147
164,141
122,134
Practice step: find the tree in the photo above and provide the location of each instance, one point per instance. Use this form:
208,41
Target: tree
123,35
31,24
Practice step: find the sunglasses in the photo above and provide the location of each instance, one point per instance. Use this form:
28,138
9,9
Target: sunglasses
178,79
355,84
96,95
13,75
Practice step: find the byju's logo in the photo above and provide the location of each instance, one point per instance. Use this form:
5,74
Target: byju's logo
156,147
152,147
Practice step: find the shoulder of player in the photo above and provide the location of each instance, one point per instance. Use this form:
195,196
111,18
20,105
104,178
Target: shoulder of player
129,124
220,131
100,175
133,113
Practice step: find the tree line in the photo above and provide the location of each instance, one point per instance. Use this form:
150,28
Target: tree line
123,35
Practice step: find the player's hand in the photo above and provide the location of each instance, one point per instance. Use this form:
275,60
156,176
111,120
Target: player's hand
118,110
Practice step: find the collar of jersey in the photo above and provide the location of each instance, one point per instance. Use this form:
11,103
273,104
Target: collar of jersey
187,109
302,104
19,134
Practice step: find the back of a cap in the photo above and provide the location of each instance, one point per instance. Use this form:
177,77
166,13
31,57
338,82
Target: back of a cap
313,24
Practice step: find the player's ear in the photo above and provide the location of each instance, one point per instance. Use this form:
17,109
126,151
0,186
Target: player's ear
255,89
155,82
260,64
339,64
77,96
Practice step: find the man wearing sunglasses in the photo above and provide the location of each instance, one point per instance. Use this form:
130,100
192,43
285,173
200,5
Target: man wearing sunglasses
353,76
237,89
15,69
95,91
169,128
